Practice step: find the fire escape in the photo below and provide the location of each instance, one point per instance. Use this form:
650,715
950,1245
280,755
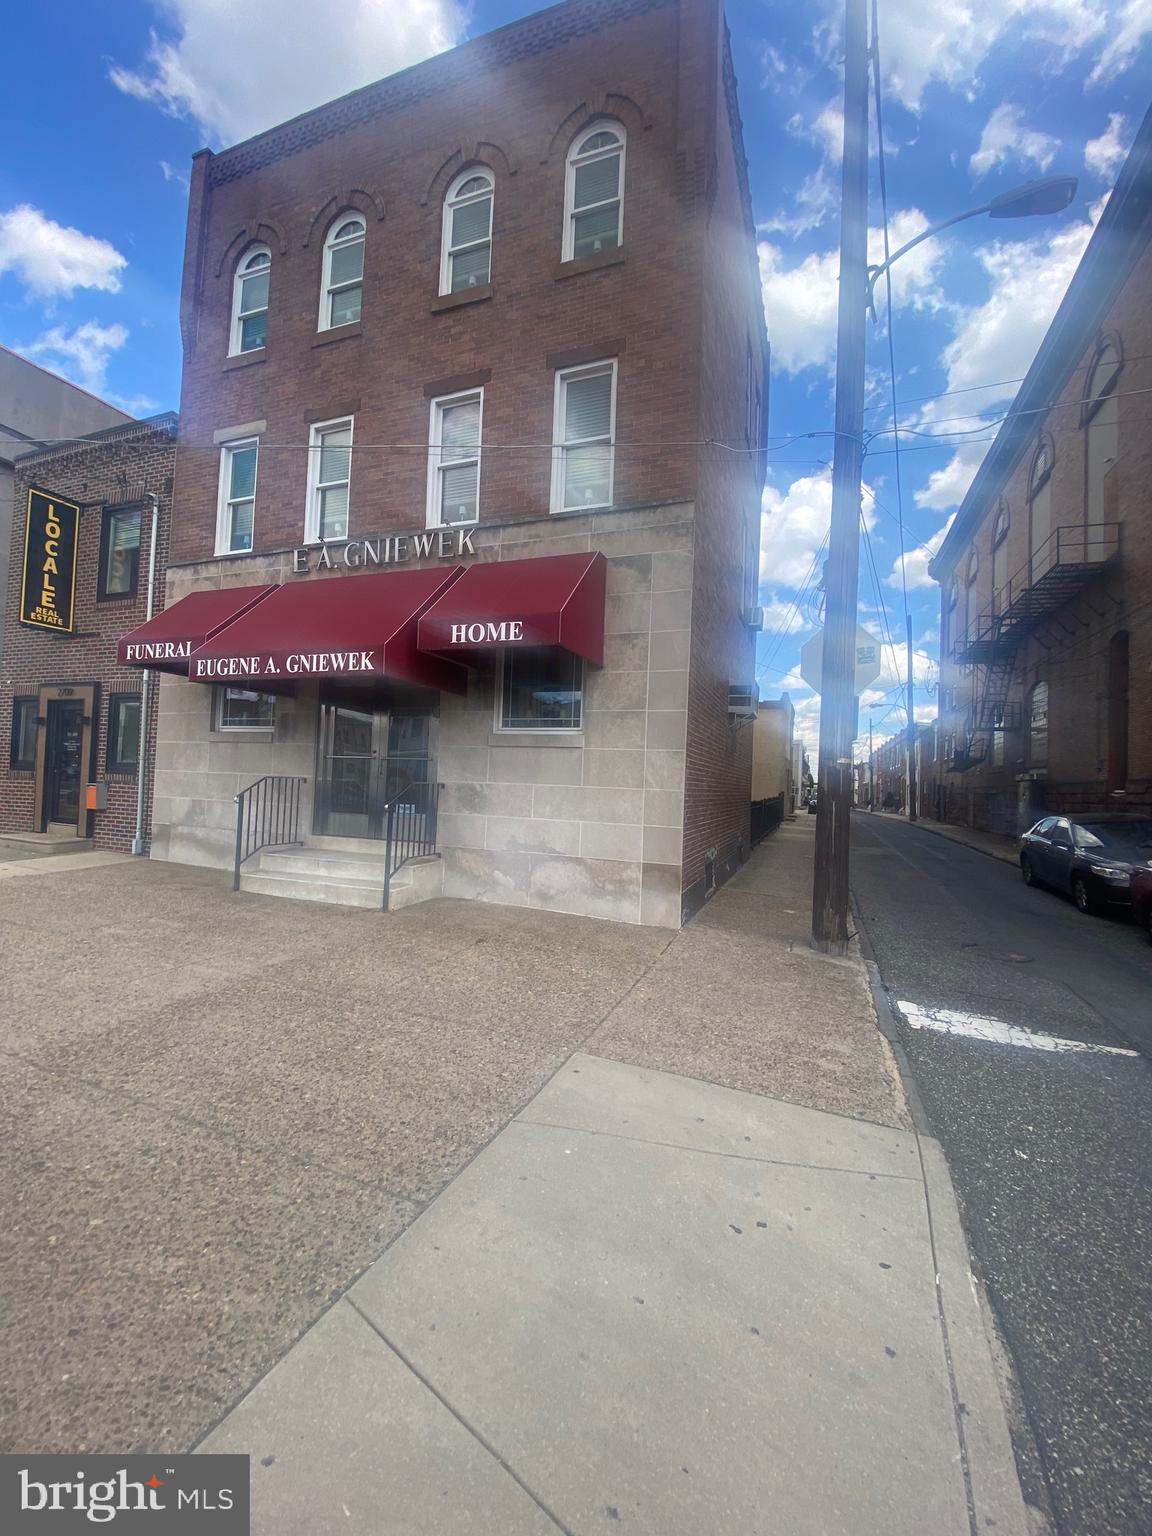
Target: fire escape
1060,568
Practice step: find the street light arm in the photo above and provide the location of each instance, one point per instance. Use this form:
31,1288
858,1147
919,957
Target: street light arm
878,271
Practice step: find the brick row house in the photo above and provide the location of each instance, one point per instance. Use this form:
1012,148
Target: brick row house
1046,618
456,562
75,725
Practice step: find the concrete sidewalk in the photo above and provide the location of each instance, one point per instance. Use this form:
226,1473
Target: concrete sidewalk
664,1298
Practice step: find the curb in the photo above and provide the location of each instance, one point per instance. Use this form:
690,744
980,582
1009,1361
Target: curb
1003,855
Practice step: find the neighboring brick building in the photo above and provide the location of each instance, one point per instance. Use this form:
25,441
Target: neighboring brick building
773,754
509,295
70,717
1046,624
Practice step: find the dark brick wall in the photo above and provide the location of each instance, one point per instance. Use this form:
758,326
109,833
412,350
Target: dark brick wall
1070,652
101,473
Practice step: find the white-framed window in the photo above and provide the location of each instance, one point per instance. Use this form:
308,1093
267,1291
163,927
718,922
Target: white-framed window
239,709
454,433
329,479
235,514
342,289
583,434
466,241
541,689
594,191
250,301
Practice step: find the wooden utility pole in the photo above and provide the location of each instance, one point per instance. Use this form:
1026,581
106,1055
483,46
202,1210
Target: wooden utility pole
871,770
842,571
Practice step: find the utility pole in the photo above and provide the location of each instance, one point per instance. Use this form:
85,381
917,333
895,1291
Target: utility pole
842,571
871,770
912,744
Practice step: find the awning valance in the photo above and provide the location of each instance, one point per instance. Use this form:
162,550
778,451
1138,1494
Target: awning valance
554,600
345,626
167,640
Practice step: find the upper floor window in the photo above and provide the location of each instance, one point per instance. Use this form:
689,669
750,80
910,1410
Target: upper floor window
973,565
235,512
342,290
584,432
329,479
1101,425
1041,467
119,552
466,249
594,192
250,300
1000,526
454,458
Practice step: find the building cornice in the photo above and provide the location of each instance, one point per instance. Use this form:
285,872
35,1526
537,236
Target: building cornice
1117,243
443,72
129,431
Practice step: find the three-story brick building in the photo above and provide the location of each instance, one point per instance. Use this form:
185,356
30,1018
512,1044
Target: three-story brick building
469,476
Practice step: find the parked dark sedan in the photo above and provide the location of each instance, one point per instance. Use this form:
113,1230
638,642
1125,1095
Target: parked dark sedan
1091,860
1141,893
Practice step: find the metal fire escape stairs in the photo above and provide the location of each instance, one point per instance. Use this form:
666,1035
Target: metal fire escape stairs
1059,570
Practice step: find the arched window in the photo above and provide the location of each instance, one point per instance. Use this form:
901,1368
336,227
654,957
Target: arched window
250,300
466,244
1101,424
342,289
1043,555
594,192
1038,726
973,566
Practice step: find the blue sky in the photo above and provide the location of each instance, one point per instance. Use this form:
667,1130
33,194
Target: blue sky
976,99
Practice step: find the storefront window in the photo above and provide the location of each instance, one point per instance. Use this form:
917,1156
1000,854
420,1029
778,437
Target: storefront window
238,709
123,733
542,691
23,753
119,552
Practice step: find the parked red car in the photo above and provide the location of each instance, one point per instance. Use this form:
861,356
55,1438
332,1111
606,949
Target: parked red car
1140,890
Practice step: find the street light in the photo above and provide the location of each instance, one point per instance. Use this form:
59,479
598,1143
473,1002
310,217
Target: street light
857,281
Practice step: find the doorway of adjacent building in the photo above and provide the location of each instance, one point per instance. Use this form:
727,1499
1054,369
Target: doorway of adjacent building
368,755
63,761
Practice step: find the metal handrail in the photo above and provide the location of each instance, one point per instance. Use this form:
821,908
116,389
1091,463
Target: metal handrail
267,816
409,828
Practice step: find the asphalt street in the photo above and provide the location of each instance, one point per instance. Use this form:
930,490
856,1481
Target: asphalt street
1047,1128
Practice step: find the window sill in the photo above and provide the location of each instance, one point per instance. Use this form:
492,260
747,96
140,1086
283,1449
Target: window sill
245,359
575,265
338,333
465,296
116,597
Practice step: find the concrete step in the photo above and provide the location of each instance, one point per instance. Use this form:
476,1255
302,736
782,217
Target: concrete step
322,861
419,880
341,892
366,845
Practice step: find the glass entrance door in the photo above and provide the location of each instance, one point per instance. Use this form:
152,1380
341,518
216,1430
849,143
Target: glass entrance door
62,763
367,756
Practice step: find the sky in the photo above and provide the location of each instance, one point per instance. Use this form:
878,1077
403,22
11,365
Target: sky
976,98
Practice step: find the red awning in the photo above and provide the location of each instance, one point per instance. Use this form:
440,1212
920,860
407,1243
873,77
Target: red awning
346,626
167,640
555,600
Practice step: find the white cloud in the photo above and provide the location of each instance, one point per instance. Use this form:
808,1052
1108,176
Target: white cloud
1125,37
53,260
782,616
1005,138
800,302
997,340
792,529
81,355
916,561
1103,156
237,68
172,174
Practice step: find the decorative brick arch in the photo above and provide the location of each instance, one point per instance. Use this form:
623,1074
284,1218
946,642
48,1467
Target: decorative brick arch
262,232
483,152
612,104
370,204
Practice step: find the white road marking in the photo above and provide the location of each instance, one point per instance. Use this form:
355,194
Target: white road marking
978,1026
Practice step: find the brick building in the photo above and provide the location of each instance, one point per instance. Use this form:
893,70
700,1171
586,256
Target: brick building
456,347
1046,630
70,715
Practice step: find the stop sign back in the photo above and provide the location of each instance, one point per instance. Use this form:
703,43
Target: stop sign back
867,660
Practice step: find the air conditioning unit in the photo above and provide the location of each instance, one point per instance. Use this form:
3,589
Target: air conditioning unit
754,618
743,700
